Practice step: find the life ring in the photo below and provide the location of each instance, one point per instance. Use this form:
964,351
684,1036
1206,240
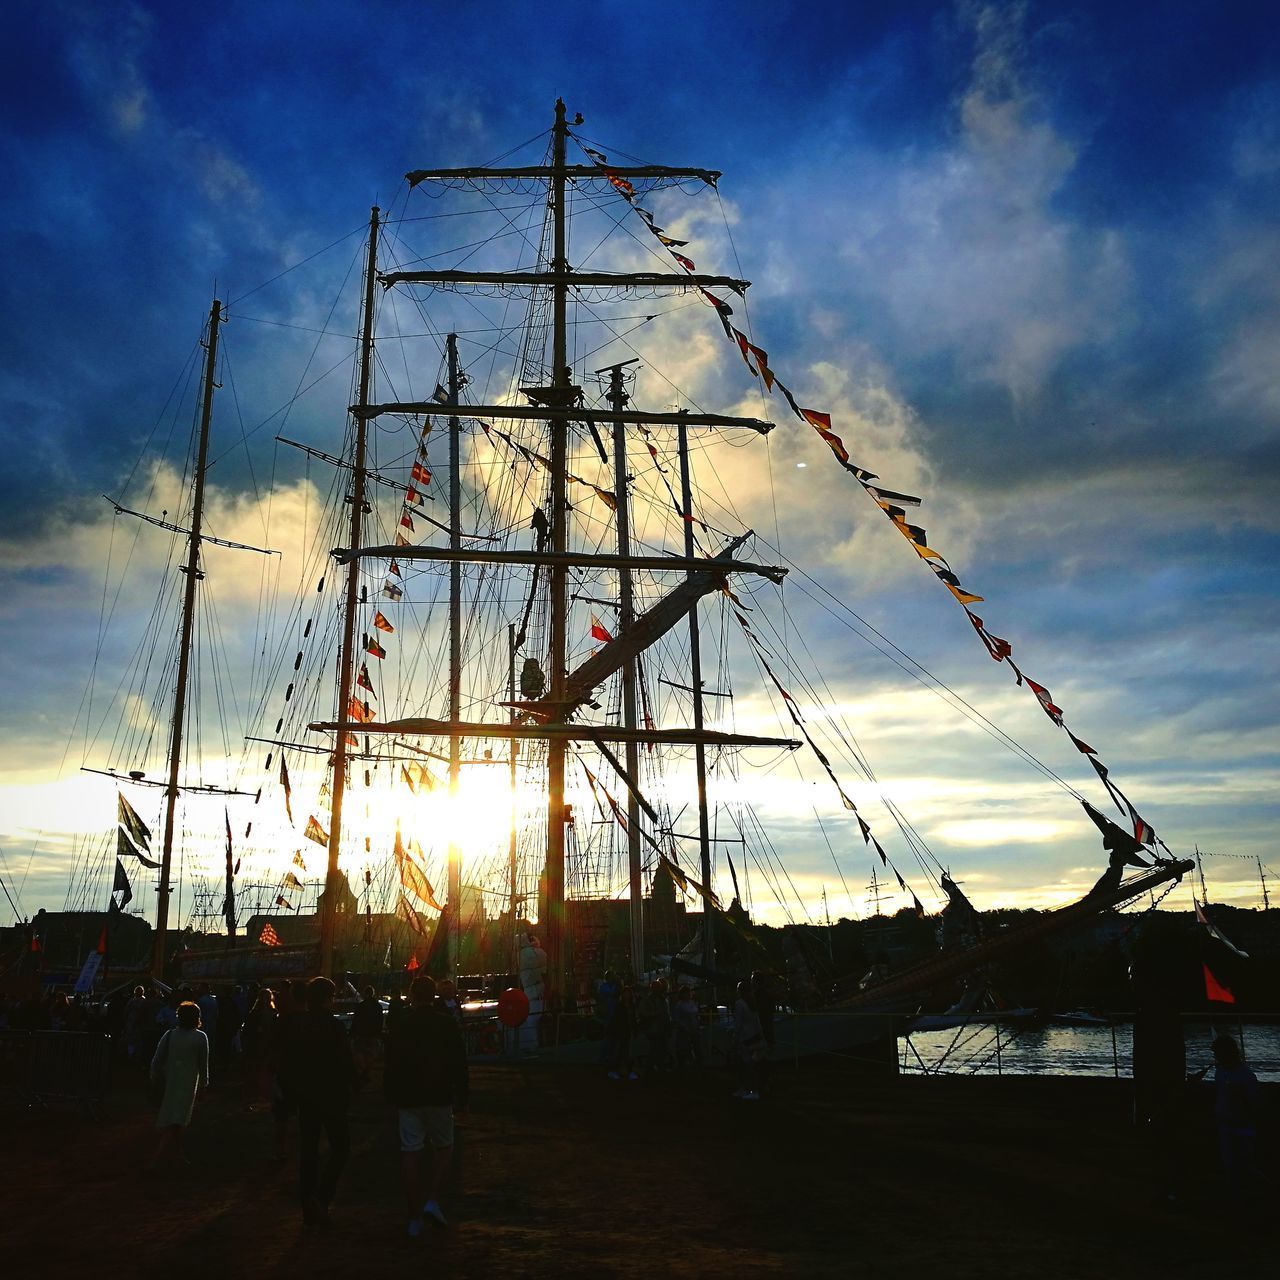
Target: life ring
490,1040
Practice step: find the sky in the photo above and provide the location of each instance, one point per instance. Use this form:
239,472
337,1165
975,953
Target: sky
1024,253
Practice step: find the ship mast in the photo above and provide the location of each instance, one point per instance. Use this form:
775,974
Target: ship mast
695,679
626,617
553,929
192,570
332,879
454,887
559,405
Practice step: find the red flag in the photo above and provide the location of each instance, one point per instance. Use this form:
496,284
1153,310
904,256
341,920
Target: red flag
1214,990
412,497
1042,696
357,710
817,420
269,937
1216,933
1000,649
686,263
406,521
394,566
362,679
821,423
373,648
412,966
621,184
281,902
599,631
761,365
382,624
419,474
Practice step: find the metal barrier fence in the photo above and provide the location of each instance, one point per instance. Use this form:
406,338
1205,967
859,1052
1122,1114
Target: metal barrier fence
55,1066
1101,1046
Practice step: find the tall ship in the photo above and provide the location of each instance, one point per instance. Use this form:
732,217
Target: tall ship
526,688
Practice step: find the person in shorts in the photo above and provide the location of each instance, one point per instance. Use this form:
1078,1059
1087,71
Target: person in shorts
425,1079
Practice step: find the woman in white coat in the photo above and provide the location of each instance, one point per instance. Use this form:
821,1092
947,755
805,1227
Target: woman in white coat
181,1063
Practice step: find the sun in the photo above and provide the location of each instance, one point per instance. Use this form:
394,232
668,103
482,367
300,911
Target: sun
477,818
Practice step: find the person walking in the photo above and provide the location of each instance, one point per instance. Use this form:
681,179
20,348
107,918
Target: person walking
258,1039
293,1012
607,994
366,1033
318,1073
749,1044
181,1064
685,1023
426,1080
655,1018
1235,1111
139,1016
447,999
621,1035
208,1003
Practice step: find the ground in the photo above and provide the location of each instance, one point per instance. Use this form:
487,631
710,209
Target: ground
566,1173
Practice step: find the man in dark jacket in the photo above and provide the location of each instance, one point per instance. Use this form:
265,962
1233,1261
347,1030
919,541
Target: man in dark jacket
318,1071
366,1033
426,1080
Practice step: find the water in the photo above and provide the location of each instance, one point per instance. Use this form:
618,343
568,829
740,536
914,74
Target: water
1075,1051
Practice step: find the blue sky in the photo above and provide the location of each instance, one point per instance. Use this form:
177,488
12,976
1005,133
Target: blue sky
1026,252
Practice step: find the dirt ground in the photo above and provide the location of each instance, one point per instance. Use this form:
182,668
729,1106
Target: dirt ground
565,1173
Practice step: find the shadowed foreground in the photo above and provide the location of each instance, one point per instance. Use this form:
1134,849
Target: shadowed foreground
566,1173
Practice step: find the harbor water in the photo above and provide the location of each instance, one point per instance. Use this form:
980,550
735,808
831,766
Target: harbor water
1074,1050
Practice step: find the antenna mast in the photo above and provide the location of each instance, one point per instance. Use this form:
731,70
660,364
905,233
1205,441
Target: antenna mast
192,570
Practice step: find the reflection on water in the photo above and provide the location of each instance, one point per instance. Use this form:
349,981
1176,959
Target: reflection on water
1074,1051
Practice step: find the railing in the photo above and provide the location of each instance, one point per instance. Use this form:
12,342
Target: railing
55,1066
1099,1045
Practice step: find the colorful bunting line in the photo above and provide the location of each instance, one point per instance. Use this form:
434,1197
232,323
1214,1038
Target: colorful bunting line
890,502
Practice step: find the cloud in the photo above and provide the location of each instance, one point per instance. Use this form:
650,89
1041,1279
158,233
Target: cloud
1255,149
964,244
109,52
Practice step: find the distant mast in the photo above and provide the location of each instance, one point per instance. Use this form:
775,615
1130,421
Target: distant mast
185,637
328,905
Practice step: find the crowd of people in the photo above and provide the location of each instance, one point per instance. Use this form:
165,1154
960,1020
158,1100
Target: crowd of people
659,1030
301,1064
